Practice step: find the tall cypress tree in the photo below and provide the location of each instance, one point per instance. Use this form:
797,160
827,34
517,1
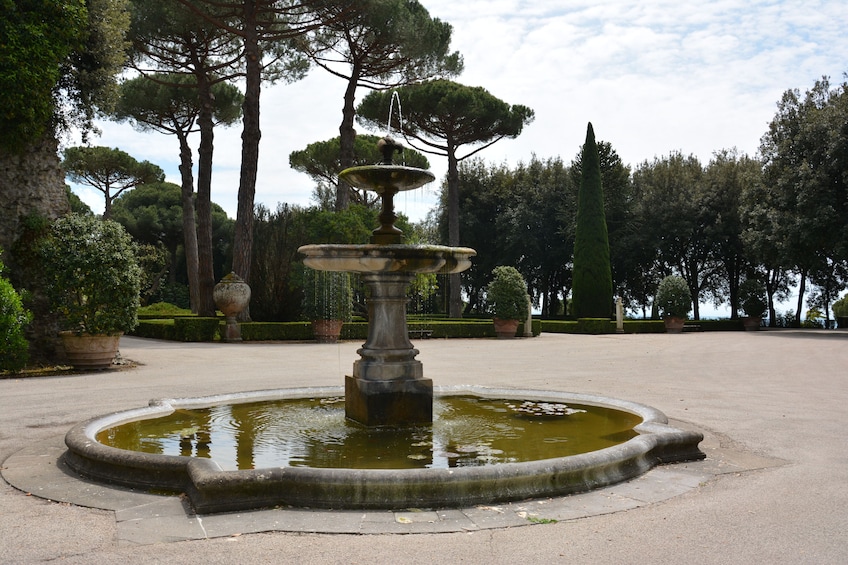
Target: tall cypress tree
592,289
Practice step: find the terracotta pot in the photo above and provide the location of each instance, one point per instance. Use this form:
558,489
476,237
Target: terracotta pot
505,329
327,331
90,351
752,323
674,324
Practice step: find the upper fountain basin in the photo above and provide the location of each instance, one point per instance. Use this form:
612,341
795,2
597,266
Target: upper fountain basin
386,178
371,258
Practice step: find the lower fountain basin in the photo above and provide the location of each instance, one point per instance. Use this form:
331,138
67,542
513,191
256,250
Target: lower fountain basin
372,258
213,489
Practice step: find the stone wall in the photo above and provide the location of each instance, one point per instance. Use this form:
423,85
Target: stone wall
32,183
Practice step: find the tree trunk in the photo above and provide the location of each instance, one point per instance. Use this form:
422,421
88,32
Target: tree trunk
206,273
454,280
250,136
189,225
347,135
802,288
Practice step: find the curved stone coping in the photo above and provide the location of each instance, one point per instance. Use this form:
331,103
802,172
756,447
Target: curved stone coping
373,258
212,489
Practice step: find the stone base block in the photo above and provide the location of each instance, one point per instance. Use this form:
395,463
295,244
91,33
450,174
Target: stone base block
398,402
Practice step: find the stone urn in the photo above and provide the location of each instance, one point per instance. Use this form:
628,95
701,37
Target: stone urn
87,351
232,295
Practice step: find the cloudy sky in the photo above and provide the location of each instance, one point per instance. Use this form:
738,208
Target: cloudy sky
653,76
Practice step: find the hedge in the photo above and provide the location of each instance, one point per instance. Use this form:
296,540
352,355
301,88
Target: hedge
600,326
207,329
192,328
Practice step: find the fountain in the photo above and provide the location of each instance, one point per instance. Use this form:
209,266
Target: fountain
387,387
386,391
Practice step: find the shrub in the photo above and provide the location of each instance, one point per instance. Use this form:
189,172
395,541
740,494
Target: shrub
93,275
595,326
14,349
162,310
506,295
673,297
194,328
752,297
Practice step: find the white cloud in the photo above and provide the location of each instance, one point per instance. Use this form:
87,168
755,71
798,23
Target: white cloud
653,77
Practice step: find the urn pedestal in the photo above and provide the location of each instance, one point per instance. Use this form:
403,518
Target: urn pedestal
231,295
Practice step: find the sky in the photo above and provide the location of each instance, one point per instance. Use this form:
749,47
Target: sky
652,76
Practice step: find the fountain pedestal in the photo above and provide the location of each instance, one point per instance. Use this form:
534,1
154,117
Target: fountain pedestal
388,385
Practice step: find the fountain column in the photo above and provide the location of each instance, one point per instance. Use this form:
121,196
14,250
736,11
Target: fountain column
387,386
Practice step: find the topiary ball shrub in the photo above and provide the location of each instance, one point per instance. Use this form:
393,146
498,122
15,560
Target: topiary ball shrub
673,297
506,295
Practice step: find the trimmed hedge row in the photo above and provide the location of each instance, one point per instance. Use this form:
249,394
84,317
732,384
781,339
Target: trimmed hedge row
597,326
191,328
209,329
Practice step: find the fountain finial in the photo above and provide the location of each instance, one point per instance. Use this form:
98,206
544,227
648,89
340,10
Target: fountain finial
388,147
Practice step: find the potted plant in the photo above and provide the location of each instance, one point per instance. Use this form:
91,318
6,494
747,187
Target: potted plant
752,300
674,302
327,303
840,312
93,282
507,299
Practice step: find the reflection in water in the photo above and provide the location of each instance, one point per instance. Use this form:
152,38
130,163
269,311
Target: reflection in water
467,431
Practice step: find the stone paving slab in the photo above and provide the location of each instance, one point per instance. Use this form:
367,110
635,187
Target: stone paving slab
144,518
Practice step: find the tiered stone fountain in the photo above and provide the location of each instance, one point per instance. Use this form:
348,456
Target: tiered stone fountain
386,391
387,387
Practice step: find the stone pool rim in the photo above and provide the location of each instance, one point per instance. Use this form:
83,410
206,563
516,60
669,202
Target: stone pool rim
210,489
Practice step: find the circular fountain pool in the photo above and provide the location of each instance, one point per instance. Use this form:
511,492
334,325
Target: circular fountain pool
486,445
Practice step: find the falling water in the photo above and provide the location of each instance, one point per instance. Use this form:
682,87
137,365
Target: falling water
395,96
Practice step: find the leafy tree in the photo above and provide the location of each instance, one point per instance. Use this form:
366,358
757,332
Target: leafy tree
111,171
806,175
77,205
592,291
170,104
322,161
443,116
152,214
277,294
380,44
38,39
726,178
676,221
58,62
537,217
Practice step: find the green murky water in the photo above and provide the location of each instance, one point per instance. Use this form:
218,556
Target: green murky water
467,431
